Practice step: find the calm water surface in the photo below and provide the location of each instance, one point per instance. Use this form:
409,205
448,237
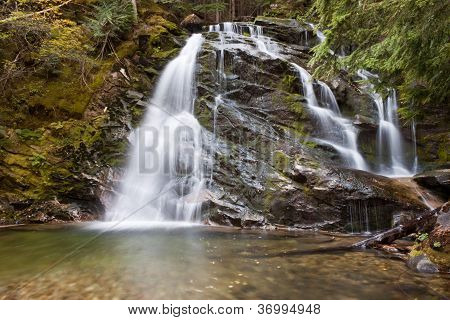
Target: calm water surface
162,261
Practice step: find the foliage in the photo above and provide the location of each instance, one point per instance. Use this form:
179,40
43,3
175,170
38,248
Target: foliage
286,9
18,40
111,19
31,41
437,245
211,7
27,134
422,237
288,83
218,10
405,41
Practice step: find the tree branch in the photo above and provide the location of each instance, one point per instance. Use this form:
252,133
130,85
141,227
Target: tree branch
11,19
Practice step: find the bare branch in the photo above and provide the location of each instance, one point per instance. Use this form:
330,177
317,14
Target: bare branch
11,19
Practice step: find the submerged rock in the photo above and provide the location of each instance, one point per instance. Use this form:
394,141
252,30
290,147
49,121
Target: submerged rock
422,264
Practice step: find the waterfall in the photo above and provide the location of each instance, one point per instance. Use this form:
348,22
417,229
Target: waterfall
339,133
390,149
264,44
165,177
367,216
415,166
222,78
327,97
319,34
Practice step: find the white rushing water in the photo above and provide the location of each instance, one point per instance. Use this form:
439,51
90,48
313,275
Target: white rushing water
165,177
338,132
390,149
415,166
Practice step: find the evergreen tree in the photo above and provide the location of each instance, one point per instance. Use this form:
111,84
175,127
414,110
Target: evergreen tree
405,41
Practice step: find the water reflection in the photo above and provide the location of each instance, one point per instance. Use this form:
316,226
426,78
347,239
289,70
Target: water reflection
194,262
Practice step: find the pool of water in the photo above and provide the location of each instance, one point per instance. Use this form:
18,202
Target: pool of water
182,261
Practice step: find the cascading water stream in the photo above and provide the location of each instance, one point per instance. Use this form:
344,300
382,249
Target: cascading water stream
335,130
332,124
165,175
390,150
415,166
338,132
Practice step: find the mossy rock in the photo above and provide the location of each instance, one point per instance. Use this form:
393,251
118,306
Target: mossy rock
295,104
66,91
433,148
281,161
203,113
289,83
157,20
159,54
148,7
126,49
28,134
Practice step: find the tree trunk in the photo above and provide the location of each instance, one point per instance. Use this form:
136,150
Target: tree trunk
233,10
401,231
135,11
217,12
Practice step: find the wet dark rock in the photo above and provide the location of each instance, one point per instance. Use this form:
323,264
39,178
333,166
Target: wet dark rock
365,123
266,169
443,220
437,181
287,30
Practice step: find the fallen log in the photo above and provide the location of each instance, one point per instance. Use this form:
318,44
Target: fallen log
379,241
426,220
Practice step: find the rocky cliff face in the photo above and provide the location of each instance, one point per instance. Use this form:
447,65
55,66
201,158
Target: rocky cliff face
267,169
